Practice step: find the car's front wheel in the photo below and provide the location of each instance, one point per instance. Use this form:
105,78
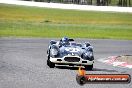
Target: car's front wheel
50,64
89,67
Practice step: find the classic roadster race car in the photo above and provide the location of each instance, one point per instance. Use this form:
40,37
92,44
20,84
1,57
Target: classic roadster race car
68,52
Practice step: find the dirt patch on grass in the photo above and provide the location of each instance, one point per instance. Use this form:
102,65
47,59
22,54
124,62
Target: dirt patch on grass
125,58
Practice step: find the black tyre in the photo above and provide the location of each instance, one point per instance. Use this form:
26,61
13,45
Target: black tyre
89,67
50,64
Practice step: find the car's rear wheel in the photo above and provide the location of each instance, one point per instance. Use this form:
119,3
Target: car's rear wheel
50,64
89,67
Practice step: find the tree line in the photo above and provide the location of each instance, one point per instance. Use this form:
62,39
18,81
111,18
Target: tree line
91,2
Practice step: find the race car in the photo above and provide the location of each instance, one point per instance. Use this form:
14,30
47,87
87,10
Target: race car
68,52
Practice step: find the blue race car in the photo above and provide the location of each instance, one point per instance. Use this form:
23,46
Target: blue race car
68,52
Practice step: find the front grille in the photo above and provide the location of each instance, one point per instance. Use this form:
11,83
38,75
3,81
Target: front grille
72,59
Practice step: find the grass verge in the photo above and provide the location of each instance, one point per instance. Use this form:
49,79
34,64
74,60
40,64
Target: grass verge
23,21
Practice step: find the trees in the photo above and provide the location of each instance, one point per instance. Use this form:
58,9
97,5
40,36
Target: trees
129,2
91,2
124,3
103,2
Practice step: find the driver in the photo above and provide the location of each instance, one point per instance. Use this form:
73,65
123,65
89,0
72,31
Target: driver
65,41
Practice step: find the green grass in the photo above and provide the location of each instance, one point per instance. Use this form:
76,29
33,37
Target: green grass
23,21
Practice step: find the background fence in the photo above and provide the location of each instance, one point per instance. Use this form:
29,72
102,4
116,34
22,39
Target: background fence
125,3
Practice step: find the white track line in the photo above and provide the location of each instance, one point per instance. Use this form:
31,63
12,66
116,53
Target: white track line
69,6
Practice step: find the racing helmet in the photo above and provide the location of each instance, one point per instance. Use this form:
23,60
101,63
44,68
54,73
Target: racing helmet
65,41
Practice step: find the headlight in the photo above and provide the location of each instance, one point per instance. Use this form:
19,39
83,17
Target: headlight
54,51
88,56
90,48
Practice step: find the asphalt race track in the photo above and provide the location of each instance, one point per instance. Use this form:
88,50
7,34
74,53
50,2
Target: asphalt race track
23,64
